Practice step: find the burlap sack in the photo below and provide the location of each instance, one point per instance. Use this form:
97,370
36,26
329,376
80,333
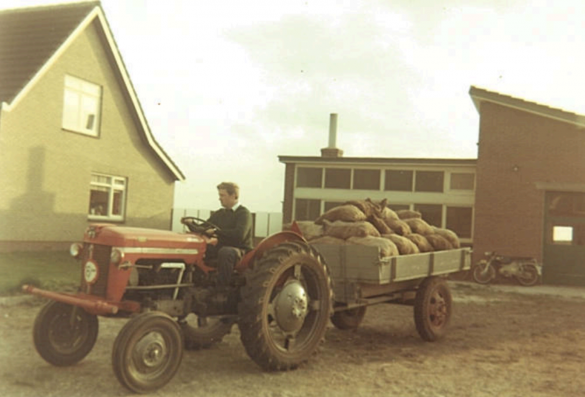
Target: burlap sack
309,229
450,235
345,230
421,242
438,242
346,213
385,246
407,214
404,245
379,224
328,240
398,226
420,226
368,206
387,213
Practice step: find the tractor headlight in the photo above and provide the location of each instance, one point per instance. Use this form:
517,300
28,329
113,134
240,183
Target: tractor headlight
75,250
116,257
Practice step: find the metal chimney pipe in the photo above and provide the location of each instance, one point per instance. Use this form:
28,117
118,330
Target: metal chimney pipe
332,130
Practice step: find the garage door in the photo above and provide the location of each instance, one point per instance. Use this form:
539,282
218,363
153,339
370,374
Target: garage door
564,245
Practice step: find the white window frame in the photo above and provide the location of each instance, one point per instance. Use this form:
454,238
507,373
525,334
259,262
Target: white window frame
82,102
112,185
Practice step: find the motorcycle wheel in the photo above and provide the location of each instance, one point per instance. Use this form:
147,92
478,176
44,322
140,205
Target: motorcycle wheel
529,276
482,276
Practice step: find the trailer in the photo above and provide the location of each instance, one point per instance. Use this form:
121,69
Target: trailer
360,277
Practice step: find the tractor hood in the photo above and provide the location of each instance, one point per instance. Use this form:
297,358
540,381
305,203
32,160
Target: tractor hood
122,236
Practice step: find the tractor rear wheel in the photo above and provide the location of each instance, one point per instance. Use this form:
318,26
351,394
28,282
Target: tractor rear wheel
147,352
286,305
64,334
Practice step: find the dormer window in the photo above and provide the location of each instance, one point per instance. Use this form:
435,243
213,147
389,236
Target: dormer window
81,106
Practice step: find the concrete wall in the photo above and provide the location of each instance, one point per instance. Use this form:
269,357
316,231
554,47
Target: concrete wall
46,171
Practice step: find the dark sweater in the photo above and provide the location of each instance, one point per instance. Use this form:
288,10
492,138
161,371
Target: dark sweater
235,227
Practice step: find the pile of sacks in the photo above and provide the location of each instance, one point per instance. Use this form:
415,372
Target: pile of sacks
366,222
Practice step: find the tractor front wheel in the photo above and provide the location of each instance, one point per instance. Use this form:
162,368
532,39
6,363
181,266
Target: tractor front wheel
147,352
64,334
286,305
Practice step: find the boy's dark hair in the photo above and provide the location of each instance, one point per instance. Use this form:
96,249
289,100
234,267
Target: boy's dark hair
230,187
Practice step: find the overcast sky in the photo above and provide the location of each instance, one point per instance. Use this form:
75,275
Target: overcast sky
227,86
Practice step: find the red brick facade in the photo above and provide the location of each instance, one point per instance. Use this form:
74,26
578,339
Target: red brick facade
519,152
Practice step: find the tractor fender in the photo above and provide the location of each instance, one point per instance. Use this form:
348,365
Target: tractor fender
265,245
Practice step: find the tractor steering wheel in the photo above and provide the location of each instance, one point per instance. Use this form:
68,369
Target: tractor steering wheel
198,225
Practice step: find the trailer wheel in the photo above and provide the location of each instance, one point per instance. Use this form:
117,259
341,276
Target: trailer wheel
64,334
202,332
147,352
286,305
432,309
348,319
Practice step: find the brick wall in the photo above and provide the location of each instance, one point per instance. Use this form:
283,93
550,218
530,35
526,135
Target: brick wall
517,150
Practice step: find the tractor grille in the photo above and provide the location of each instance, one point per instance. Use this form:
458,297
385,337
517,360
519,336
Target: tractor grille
101,255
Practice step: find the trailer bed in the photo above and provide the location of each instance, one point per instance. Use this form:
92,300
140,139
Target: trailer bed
358,272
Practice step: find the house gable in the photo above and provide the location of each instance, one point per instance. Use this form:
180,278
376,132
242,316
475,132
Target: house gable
48,42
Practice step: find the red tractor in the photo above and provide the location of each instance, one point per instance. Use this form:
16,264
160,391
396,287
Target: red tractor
280,297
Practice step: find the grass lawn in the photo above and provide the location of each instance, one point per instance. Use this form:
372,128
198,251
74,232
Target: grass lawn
53,270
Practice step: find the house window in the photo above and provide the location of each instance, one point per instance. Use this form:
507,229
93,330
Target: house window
307,209
432,213
309,177
398,180
462,181
337,178
366,179
107,197
459,220
81,106
429,181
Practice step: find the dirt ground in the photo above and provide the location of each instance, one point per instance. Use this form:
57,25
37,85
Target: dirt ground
503,341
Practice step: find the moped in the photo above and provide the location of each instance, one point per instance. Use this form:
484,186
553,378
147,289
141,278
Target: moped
526,271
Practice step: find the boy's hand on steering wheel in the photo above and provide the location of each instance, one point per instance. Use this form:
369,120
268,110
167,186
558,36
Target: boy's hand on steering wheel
211,232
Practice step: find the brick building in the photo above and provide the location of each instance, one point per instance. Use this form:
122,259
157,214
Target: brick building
530,192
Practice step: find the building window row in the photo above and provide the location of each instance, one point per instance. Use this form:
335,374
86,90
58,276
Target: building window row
456,218
394,180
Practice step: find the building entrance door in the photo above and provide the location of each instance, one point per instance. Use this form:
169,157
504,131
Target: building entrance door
564,238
